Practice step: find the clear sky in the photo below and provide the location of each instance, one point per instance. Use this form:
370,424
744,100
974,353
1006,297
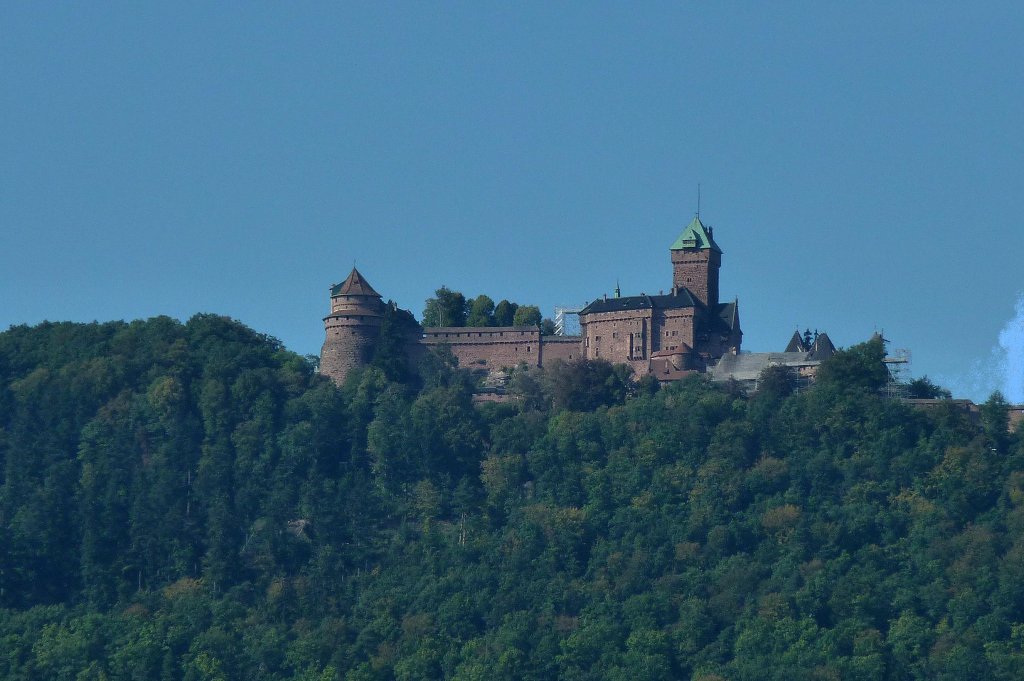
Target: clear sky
861,162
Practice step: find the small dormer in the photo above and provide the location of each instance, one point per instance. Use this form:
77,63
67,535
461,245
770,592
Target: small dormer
696,236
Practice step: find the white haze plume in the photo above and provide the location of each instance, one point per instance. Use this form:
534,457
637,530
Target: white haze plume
1011,340
1002,370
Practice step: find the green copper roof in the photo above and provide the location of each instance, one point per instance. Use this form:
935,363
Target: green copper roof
696,235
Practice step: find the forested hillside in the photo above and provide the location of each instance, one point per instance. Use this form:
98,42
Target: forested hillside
190,501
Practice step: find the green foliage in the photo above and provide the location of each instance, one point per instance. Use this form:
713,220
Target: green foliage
189,501
857,367
527,315
481,312
923,388
505,313
446,308
584,385
776,382
995,419
451,308
391,354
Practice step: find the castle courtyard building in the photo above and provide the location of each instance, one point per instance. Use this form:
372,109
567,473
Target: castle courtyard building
669,335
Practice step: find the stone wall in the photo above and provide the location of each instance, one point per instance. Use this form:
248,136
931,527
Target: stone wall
621,337
697,270
673,329
487,348
349,344
560,348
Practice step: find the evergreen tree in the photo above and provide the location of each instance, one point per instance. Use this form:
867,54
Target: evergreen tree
481,312
505,313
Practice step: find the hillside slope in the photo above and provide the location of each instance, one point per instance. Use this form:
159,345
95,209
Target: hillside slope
190,501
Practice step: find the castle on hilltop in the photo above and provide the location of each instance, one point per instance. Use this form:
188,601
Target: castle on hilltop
667,335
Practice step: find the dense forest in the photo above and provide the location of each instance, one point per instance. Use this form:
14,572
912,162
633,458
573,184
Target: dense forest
192,501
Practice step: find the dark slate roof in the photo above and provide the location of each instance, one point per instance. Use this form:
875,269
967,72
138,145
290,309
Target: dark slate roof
355,285
642,302
822,348
796,343
725,316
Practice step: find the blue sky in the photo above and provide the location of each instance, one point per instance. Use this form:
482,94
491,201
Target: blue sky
861,163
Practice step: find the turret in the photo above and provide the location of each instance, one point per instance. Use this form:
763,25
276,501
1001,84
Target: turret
696,259
352,327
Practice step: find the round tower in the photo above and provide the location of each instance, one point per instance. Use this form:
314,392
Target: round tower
352,327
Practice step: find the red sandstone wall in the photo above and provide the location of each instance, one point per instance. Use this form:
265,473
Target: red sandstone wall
673,328
698,272
563,348
606,335
349,344
353,304
486,348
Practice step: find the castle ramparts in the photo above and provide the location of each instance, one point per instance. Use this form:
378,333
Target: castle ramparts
665,335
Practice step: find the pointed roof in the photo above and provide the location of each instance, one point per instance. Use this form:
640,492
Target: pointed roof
696,235
355,285
796,343
822,347
725,317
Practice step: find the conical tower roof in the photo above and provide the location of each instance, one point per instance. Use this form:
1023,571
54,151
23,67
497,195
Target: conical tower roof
823,347
355,285
796,343
696,235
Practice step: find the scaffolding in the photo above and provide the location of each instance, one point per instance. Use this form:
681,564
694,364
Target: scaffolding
567,320
898,365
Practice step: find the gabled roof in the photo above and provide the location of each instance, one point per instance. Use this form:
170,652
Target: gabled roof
355,285
680,299
696,235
